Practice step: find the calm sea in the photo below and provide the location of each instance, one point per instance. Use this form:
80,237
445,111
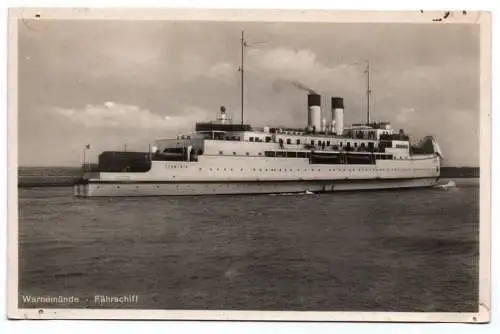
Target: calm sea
411,250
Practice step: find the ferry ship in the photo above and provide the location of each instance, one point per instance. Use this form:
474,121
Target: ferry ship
222,157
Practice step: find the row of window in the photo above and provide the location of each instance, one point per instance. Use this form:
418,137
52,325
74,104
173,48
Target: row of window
234,153
296,154
260,139
319,169
326,143
299,169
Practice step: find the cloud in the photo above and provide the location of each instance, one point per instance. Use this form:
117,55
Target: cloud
115,115
405,115
460,135
283,59
293,64
222,71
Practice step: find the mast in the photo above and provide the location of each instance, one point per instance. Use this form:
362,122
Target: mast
243,44
368,92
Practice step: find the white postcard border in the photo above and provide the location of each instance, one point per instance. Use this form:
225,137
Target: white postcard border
482,18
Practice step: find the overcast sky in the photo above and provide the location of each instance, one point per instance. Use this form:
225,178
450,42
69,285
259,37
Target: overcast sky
109,83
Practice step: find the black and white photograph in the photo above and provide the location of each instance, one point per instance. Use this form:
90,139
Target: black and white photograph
249,165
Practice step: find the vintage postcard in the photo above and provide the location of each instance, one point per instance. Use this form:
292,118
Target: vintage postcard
249,165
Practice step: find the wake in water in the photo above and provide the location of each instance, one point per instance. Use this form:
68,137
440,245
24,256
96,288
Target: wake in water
450,185
307,192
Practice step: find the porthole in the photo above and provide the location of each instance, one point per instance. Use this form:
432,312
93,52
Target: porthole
220,152
234,153
247,153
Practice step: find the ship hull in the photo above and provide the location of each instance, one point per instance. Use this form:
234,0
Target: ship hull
169,188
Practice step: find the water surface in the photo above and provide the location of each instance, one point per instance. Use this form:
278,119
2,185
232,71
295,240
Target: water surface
410,250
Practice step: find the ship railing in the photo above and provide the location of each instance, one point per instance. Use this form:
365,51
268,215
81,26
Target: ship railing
90,167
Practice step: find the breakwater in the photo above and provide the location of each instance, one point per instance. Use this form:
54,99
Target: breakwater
48,176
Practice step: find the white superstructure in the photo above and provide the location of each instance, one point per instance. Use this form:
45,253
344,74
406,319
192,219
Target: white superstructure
221,157
225,158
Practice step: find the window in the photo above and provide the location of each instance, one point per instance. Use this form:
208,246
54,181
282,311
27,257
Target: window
298,141
268,139
251,138
328,143
260,153
234,153
247,153
220,152
355,144
312,142
288,141
301,155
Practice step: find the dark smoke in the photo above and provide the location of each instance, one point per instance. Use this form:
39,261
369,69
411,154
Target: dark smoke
280,83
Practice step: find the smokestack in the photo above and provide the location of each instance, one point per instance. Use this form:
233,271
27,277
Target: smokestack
314,114
338,114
